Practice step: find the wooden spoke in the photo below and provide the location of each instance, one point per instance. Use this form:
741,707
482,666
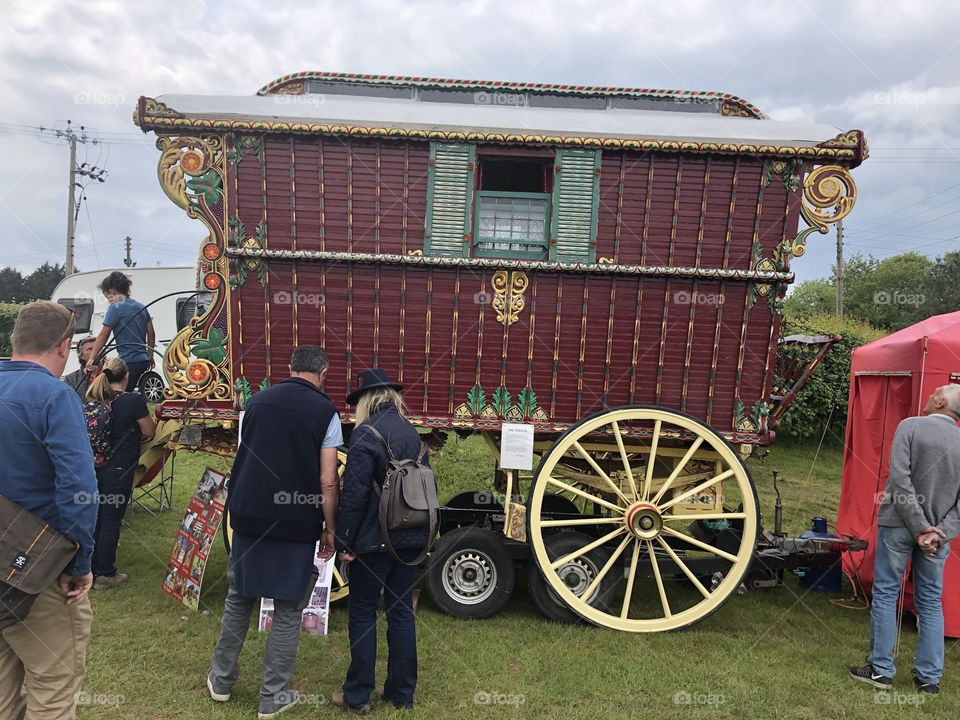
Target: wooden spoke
587,548
702,545
582,521
592,498
626,461
597,469
686,571
588,593
628,592
651,459
698,489
656,574
678,469
692,517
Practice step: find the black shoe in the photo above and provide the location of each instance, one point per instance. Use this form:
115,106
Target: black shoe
928,688
866,674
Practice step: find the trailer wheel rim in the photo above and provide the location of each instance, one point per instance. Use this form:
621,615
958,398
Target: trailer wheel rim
577,575
469,576
640,525
152,388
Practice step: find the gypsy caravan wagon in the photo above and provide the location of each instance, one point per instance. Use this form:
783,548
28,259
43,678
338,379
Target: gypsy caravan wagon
606,265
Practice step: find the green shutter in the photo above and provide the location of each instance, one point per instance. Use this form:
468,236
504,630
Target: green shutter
449,200
576,193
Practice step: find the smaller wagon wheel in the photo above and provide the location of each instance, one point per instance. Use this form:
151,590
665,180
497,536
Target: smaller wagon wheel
470,573
668,500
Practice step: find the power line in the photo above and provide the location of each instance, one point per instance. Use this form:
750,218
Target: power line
914,204
909,248
93,239
868,234
925,222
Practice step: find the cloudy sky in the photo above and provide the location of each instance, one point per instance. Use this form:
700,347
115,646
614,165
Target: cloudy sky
890,69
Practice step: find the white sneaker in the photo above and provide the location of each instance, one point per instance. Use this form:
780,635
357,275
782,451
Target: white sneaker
214,695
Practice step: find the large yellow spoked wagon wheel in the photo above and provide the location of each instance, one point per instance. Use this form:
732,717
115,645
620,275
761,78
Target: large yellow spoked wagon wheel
670,516
339,585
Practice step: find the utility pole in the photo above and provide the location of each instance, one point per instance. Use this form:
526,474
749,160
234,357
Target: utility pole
71,200
83,170
127,260
840,269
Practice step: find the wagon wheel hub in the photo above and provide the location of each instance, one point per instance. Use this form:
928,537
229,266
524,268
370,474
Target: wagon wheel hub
644,520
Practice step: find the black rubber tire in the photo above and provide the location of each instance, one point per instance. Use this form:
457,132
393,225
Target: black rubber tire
462,555
546,599
151,386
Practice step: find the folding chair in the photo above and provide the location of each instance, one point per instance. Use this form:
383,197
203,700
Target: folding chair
155,497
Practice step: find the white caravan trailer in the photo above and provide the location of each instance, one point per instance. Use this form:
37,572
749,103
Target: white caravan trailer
80,293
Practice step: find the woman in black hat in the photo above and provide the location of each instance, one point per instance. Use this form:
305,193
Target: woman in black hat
373,569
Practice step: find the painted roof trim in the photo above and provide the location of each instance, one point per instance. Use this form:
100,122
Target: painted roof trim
153,115
293,84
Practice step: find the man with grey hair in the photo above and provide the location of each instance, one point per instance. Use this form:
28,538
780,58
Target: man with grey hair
282,499
80,379
919,516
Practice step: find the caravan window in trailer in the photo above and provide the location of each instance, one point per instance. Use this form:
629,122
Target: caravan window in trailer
512,207
83,309
186,309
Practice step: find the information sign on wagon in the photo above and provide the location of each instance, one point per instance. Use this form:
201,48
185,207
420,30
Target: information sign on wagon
516,446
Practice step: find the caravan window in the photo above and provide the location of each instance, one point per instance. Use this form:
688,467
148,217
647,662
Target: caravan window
83,309
186,309
513,207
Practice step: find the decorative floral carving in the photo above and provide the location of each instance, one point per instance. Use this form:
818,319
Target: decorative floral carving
501,406
508,301
787,171
734,109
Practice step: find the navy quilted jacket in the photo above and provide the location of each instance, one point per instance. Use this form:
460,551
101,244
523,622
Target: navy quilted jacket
358,522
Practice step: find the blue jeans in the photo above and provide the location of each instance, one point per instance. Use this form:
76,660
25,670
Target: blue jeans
895,546
369,574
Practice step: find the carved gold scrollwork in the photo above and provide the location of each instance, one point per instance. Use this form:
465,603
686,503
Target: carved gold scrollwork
191,377
829,194
197,362
155,108
186,156
508,301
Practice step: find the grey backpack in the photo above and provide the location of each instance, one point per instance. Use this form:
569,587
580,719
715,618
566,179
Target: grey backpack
408,498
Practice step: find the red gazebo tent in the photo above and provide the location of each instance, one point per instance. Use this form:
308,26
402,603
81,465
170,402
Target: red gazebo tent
890,379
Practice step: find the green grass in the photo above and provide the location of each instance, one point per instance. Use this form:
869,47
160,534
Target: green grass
775,654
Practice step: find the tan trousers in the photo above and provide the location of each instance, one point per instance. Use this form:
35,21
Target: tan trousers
42,659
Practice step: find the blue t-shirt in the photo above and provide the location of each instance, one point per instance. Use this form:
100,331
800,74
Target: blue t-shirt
128,319
334,435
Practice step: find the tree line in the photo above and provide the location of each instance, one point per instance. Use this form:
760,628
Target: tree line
889,294
38,285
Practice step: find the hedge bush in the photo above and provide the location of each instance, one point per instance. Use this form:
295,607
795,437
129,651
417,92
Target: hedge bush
8,316
822,403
